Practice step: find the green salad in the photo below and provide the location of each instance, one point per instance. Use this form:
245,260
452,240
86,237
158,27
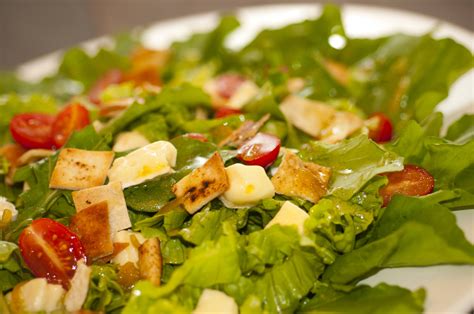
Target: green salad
198,179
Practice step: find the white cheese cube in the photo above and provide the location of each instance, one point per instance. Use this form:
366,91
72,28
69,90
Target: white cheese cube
126,141
290,215
244,93
6,205
38,295
130,253
214,301
143,164
77,294
247,186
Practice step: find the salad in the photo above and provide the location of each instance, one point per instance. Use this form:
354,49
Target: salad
269,179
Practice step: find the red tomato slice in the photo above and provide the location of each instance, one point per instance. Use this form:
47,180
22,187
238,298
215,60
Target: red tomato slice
71,118
411,181
227,84
261,150
196,136
32,130
223,112
111,77
380,128
51,250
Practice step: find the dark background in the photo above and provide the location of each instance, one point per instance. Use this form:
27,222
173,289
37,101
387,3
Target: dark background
30,28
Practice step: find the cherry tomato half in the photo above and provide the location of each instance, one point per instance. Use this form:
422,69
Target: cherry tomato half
71,118
261,150
227,84
51,250
111,77
196,136
411,181
32,130
223,112
380,128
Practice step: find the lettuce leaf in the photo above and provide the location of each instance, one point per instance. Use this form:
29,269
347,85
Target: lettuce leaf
407,76
382,298
104,294
353,162
461,130
411,232
12,271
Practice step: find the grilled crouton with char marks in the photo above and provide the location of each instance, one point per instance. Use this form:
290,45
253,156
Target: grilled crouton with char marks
93,228
297,178
79,169
150,262
202,185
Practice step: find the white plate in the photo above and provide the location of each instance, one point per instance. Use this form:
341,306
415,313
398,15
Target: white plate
450,289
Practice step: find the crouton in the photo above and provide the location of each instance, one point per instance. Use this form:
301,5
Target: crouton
202,185
80,169
111,193
33,155
307,115
150,261
343,125
301,179
246,131
93,228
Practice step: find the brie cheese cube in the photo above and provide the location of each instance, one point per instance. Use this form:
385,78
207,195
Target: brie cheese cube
247,186
130,253
38,295
214,301
143,164
126,141
244,93
290,215
7,206
77,294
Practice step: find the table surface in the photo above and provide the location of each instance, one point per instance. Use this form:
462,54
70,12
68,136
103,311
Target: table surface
31,28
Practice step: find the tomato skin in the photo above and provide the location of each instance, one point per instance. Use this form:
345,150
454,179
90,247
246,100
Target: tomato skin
32,130
382,130
196,136
223,112
411,181
113,76
46,241
261,150
227,84
71,118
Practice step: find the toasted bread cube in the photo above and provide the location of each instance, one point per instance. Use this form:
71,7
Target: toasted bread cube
343,125
112,193
202,185
150,261
301,179
309,116
80,169
77,294
93,228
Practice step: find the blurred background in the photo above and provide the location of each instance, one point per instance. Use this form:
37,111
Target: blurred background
30,28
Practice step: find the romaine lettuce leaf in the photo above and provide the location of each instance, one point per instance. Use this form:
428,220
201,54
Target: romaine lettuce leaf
353,162
411,232
380,299
461,130
407,76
